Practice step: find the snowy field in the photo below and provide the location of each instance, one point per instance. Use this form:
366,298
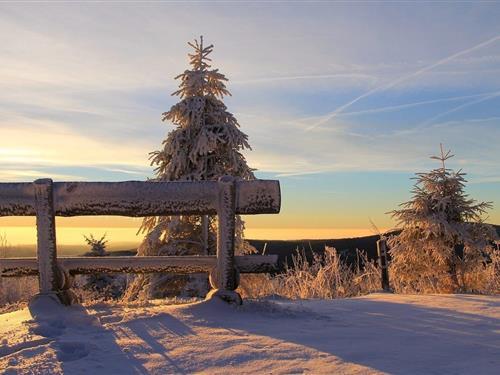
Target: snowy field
380,333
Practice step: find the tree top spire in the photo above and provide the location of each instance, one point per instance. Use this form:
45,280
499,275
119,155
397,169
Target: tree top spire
199,59
443,157
201,80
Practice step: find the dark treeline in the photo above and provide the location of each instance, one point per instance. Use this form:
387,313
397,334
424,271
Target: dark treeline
345,246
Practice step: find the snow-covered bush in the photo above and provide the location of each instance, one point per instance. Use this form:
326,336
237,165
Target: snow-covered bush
99,286
97,246
444,245
205,145
326,276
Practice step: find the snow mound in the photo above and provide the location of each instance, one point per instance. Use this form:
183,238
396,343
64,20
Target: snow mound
380,333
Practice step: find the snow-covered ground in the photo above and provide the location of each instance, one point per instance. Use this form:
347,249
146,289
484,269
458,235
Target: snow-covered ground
380,333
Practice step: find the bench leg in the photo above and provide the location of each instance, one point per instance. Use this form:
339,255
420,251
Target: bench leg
50,278
224,278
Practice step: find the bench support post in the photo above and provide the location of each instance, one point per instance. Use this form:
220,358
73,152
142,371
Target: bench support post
224,278
50,277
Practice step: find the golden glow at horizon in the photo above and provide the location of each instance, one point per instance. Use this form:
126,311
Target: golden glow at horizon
26,235
22,230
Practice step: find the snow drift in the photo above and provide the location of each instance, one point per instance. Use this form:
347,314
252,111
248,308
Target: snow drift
380,333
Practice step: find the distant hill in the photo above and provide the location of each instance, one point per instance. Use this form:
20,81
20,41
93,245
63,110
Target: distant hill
285,249
346,247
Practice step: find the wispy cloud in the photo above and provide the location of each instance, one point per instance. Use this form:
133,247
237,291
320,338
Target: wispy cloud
460,107
393,108
402,79
28,175
396,150
303,173
83,89
484,180
121,170
50,143
310,77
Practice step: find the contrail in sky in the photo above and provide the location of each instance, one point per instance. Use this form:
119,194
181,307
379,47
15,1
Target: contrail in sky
464,105
402,79
415,104
300,122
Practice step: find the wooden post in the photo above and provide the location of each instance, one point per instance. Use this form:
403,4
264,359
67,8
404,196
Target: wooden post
53,282
224,279
382,262
46,237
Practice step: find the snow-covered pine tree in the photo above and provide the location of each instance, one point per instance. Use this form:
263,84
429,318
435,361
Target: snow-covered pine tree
443,234
97,246
101,285
205,145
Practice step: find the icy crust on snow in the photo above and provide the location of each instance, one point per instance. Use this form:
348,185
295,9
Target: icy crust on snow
380,333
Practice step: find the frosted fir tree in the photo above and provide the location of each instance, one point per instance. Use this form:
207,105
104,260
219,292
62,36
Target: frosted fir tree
97,246
443,234
101,285
205,145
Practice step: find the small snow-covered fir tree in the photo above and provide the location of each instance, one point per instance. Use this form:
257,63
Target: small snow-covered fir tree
443,233
97,246
205,145
101,285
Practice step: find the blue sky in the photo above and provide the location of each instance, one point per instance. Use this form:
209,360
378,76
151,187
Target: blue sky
342,102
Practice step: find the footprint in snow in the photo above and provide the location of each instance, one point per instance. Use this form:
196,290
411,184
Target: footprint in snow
110,319
67,351
48,328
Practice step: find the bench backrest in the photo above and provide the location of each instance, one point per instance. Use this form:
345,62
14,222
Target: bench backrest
225,198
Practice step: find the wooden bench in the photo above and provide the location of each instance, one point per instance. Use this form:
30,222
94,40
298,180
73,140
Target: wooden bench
225,198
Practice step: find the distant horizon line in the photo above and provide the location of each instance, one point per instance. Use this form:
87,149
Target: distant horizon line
25,236
18,236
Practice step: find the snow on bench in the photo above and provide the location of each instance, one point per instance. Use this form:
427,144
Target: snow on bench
225,198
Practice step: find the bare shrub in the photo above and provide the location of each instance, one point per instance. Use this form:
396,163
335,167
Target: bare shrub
4,246
327,276
14,291
256,285
17,290
492,271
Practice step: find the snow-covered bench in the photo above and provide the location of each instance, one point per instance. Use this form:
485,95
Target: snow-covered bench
225,198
